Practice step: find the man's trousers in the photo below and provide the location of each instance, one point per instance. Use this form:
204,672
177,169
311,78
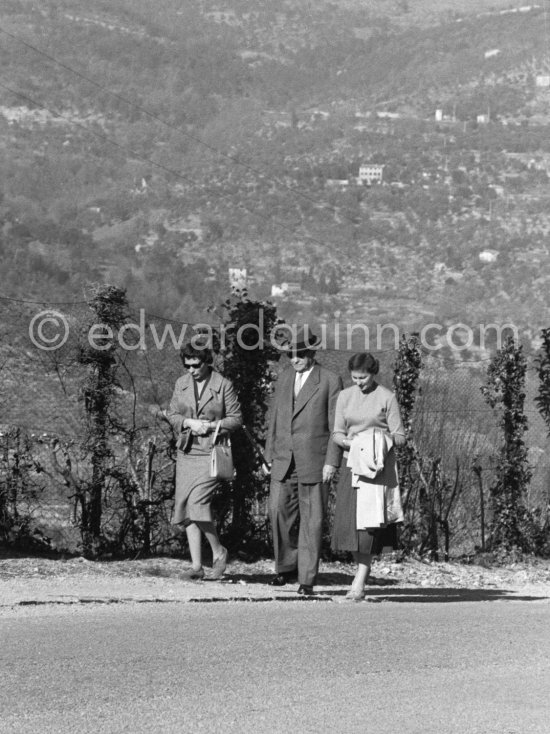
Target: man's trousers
291,501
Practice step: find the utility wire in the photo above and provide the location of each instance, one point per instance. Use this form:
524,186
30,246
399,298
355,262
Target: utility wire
427,353
294,190
43,302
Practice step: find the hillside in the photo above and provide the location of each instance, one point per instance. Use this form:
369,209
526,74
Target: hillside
157,146
379,164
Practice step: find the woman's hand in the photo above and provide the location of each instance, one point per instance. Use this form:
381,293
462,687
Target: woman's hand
196,426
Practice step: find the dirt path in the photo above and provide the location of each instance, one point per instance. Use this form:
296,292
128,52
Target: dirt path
25,581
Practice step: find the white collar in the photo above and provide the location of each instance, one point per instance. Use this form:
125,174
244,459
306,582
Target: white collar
304,375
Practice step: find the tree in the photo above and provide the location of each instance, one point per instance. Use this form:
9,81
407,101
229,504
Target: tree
542,400
429,494
247,356
542,363
505,391
333,285
405,381
21,482
99,355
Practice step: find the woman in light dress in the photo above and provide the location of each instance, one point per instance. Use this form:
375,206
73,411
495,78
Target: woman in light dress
364,406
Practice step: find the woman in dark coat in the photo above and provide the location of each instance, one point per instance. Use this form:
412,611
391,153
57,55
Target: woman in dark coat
364,406
201,399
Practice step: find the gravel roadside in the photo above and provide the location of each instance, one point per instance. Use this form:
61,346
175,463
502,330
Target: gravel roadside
35,581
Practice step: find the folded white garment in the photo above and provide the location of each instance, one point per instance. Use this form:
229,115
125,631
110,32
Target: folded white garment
371,505
368,451
377,504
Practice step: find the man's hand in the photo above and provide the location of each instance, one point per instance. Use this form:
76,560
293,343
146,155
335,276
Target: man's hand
328,473
399,439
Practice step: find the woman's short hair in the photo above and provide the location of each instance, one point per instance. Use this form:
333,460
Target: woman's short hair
364,362
199,349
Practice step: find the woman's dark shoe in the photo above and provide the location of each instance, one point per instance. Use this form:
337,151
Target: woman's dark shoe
193,574
219,565
305,590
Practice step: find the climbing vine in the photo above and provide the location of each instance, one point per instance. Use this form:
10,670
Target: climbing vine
505,392
247,359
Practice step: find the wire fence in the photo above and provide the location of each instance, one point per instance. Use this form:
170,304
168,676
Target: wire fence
40,405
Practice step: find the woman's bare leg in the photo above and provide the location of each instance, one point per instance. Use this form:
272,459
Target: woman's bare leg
363,561
209,529
194,540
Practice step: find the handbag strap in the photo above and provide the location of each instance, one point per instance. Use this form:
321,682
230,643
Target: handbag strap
217,433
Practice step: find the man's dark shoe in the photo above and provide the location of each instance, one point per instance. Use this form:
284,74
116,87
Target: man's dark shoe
280,579
305,590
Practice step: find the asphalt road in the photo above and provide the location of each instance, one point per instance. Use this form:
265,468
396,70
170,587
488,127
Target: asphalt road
471,667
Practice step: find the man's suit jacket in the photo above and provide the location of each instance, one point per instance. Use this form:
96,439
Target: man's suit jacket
302,429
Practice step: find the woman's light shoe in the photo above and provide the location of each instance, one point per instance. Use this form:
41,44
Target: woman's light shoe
355,594
219,565
193,574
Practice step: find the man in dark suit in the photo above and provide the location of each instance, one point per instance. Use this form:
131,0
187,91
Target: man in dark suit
303,460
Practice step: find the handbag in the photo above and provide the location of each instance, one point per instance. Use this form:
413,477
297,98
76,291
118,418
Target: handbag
221,458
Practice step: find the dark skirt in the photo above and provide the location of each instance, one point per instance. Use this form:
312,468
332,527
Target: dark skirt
194,488
344,530
345,536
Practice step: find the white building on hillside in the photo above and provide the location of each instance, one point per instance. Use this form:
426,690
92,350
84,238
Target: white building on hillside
370,173
238,277
488,256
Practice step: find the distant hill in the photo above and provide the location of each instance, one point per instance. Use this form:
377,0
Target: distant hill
155,146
